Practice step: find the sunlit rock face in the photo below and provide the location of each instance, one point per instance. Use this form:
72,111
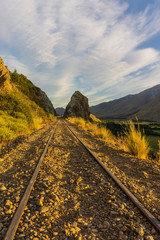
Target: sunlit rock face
4,74
78,106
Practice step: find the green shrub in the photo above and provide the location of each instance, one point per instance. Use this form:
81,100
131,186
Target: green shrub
6,133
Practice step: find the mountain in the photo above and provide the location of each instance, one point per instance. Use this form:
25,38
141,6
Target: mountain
151,111
23,106
140,104
60,111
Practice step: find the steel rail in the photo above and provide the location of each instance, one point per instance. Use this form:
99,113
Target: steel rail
19,212
155,223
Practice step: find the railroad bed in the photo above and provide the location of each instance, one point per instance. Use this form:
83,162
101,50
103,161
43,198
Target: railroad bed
72,198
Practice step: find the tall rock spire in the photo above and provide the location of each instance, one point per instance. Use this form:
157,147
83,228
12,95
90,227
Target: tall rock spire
78,106
4,74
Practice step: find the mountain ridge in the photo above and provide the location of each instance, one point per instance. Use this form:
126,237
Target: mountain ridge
128,106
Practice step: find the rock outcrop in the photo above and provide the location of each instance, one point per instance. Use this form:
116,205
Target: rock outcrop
78,106
4,74
45,102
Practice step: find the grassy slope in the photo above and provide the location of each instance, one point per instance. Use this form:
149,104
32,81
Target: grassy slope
20,109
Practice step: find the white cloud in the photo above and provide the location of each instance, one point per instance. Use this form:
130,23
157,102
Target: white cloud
54,42
141,58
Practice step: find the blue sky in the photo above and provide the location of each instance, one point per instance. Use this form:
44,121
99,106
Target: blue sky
104,48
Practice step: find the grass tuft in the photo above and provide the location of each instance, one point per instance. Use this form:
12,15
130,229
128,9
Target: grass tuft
135,142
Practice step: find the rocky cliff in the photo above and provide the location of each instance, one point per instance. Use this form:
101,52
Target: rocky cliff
45,102
78,106
4,75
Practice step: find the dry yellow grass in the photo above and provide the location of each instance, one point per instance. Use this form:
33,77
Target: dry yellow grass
135,142
93,117
99,131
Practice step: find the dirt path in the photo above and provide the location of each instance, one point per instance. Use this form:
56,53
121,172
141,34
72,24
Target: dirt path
74,199
140,176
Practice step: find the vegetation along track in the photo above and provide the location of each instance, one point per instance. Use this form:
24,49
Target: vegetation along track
73,198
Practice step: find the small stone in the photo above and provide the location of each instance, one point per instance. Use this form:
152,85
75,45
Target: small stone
8,203
114,214
124,228
8,211
2,187
1,226
120,233
46,179
42,193
44,209
122,206
149,237
125,237
153,231
140,231
17,198
40,201
3,231
140,237
153,210
94,230
131,213
21,235
100,226
106,224
120,225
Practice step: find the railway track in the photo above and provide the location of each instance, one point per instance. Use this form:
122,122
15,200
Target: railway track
74,198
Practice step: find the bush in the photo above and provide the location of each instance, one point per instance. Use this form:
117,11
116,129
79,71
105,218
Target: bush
135,142
6,133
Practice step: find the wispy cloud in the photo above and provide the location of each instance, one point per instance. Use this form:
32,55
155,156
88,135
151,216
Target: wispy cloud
87,45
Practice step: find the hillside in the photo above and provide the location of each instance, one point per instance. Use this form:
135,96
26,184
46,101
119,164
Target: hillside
34,93
151,111
129,106
23,106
